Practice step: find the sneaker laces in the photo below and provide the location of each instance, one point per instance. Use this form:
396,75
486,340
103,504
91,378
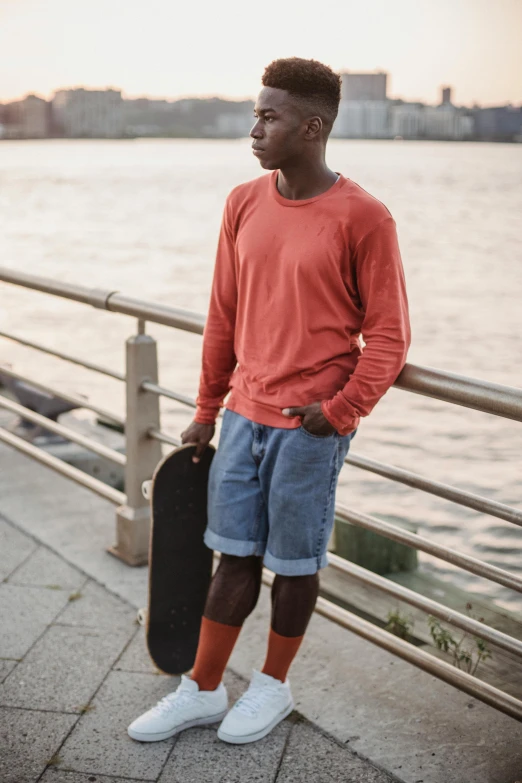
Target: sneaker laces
178,698
252,701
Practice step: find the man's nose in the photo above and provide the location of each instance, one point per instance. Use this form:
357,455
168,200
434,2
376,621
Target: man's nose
256,131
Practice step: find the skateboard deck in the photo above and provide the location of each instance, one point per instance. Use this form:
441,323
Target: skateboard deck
180,564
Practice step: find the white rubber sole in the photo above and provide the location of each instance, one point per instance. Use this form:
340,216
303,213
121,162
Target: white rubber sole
242,739
163,735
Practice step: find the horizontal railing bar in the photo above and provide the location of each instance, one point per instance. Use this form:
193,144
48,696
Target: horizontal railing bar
108,300
46,285
66,357
493,398
65,432
157,313
457,619
496,399
416,656
61,467
164,438
155,389
75,399
446,491
415,541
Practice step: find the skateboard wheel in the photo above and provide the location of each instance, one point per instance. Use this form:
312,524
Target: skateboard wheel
142,616
146,488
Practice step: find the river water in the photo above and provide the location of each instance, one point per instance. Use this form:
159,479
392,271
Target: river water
142,217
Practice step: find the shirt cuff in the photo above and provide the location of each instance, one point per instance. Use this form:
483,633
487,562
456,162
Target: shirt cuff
206,415
335,412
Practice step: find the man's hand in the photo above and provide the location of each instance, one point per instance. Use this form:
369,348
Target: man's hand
201,435
313,419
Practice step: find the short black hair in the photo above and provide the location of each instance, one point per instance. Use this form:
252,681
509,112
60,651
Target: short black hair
314,84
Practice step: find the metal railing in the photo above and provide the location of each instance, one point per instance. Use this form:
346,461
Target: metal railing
143,450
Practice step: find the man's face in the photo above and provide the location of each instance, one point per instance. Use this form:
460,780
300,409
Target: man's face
278,134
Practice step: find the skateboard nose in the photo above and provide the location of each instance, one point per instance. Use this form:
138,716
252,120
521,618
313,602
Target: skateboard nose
146,488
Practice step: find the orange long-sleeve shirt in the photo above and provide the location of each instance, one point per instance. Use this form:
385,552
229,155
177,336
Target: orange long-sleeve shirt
295,285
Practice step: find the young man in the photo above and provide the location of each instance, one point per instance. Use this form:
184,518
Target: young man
307,261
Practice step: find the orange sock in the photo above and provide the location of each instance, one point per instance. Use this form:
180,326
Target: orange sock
280,654
216,642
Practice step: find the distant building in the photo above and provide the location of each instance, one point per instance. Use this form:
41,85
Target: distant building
406,120
498,123
362,120
81,113
147,117
26,119
438,122
446,95
364,86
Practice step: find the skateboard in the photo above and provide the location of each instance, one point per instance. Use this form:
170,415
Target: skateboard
180,564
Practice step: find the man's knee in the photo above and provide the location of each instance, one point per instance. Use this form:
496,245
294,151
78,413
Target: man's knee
234,590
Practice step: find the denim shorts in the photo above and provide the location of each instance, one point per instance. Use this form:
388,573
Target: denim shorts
271,493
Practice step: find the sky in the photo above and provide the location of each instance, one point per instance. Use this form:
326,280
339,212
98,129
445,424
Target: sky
176,48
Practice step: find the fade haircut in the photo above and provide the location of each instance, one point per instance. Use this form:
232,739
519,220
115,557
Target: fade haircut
314,85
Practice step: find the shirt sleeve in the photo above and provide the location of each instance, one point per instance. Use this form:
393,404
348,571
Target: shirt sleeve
385,328
218,358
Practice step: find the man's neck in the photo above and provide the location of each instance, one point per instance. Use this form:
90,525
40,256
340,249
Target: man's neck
305,181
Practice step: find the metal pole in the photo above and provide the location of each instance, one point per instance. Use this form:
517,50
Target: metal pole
467,624
65,356
143,452
75,399
61,467
65,432
478,567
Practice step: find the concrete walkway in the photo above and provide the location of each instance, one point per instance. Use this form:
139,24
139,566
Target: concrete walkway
75,672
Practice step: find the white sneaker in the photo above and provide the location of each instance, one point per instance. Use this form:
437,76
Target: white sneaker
265,704
185,707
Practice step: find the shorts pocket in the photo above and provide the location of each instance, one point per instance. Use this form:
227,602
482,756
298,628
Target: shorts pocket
317,437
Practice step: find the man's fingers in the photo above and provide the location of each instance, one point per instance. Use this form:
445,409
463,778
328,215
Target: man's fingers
200,448
294,411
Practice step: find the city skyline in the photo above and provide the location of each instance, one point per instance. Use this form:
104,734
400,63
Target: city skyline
155,50
441,88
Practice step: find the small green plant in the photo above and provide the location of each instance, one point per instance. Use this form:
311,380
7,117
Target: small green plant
53,587
87,708
399,624
467,653
75,596
54,761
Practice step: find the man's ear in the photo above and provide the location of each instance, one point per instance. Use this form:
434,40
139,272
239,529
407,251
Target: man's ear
314,128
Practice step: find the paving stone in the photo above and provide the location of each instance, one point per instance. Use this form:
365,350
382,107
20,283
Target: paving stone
64,669
310,755
28,740
25,613
97,608
200,757
15,548
135,657
6,667
53,775
100,744
45,569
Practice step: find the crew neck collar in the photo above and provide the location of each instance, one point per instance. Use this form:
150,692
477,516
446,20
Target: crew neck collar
290,202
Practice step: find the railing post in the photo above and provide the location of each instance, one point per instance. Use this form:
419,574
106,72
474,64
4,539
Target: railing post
143,453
